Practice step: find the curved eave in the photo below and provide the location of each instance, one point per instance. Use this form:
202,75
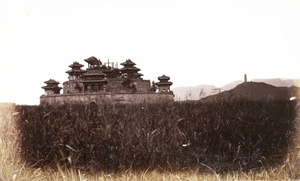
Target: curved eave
139,74
163,77
93,74
164,83
51,81
75,71
128,62
93,60
125,64
130,69
94,81
49,88
76,65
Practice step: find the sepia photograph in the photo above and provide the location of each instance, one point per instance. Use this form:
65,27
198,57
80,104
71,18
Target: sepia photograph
150,90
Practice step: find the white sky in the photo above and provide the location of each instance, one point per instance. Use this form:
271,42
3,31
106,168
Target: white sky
192,41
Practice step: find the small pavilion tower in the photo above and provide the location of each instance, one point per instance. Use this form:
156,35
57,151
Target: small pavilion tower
93,62
76,72
51,87
129,71
164,84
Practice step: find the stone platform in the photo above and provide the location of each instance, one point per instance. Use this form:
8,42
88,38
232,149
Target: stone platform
98,99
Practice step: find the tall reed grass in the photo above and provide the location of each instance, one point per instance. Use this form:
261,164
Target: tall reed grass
148,132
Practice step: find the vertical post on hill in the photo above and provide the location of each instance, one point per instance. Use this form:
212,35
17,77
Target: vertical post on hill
245,78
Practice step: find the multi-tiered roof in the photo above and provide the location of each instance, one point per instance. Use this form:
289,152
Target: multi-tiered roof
51,87
129,70
94,78
164,80
164,84
75,72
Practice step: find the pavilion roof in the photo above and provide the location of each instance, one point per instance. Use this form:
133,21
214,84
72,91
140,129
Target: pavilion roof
94,77
163,77
76,64
51,81
51,87
93,60
164,83
130,68
138,74
128,62
75,71
90,74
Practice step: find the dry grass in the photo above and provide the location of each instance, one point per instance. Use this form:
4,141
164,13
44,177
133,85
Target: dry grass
11,167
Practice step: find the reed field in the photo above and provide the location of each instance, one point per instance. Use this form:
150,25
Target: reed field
239,140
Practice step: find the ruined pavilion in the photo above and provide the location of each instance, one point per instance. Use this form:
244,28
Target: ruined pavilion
100,83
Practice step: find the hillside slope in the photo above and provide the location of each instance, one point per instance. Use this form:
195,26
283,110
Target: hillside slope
255,91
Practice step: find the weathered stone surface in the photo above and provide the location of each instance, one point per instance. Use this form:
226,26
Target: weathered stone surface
87,98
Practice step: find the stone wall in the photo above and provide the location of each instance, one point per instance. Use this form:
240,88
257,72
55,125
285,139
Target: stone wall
115,85
87,98
142,85
69,87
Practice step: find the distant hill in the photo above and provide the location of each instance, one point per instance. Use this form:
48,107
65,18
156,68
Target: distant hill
280,82
194,93
256,91
231,85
